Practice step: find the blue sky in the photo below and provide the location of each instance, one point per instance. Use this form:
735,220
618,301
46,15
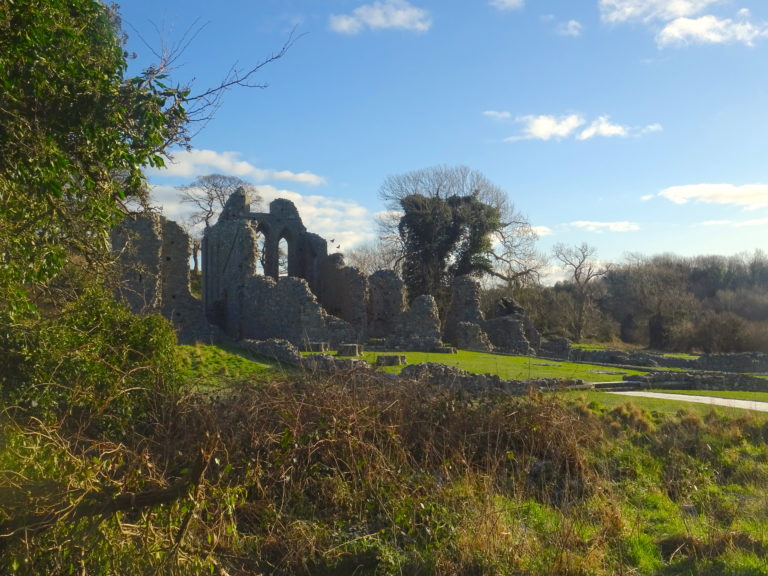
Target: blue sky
633,125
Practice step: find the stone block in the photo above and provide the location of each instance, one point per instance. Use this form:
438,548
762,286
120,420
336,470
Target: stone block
444,350
348,350
390,360
316,347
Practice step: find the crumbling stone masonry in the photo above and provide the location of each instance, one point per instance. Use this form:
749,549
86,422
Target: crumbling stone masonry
386,301
286,309
418,328
231,252
343,292
464,321
511,330
153,255
465,306
512,334
247,305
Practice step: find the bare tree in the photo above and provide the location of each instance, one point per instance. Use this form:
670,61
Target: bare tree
579,261
209,193
371,257
514,256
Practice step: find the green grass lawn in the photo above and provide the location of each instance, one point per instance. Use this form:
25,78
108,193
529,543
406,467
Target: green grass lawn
624,346
680,355
204,366
511,367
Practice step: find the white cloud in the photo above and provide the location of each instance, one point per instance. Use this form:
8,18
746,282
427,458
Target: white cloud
191,163
681,22
168,198
507,5
750,196
618,11
497,114
546,127
603,127
345,221
708,30
542,230
571,28
592,226
387,14
650,129
647,197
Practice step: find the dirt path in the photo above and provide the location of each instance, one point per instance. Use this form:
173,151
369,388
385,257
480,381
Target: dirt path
745,404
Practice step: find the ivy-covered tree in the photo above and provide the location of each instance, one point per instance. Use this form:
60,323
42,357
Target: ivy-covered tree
444,238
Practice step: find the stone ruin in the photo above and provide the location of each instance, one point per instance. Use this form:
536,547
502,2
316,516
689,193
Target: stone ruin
153,256
509,331
244,297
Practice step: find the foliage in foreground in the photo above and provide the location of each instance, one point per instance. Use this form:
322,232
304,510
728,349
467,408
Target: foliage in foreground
356,475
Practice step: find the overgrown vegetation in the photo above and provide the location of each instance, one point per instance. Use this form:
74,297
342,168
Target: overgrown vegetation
351,474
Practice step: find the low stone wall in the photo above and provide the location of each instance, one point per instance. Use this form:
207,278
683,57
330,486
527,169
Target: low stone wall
442,375
618,357
742,362
280,350
701,381
390,360
328,363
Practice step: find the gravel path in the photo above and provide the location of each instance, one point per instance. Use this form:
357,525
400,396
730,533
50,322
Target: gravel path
745,404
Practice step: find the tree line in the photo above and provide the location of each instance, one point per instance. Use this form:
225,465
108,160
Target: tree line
663,302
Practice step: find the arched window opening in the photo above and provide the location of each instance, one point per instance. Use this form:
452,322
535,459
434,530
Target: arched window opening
282,255
261,254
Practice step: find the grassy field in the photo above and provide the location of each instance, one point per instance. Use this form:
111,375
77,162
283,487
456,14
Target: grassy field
356,478
513,367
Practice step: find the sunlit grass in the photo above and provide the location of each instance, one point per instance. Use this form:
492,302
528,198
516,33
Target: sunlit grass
511,367
680,355
205,366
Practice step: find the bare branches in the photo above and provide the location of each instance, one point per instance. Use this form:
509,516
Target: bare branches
580,262
208,194
185,107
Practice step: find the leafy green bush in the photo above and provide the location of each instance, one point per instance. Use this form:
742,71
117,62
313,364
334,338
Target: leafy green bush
93,363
